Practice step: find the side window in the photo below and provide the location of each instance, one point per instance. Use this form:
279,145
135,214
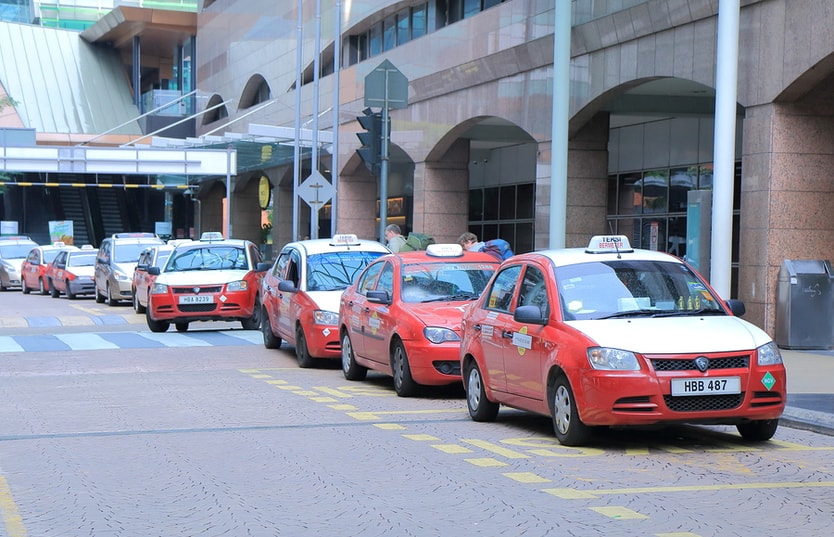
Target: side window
368,279
281,266
386,279
534,290
294,267
500,295
255,254
33,257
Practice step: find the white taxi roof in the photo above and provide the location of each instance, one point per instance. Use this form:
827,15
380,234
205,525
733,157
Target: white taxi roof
338,244
600,249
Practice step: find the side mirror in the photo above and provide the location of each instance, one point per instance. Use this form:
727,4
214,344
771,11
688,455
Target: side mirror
263,267
529,315
154,271
287,286
142,267
736,306
379,297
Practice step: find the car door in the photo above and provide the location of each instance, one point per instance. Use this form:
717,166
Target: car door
491,321
378,322
59,264
356,302
525,349
287,311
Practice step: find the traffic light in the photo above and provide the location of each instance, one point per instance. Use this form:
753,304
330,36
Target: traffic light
371,138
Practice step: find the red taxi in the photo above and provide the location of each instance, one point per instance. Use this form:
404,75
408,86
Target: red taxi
609,335
402,316
33,268
301,293
207,281
71,272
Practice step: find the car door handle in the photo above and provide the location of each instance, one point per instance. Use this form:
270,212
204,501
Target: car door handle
477,327
506,334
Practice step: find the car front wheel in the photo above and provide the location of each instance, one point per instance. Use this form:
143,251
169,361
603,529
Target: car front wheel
569,429
350,368
70,294
271,341
758,431
480,408
404,384
156,326
137,307
53,290
253,322
301,351
42,287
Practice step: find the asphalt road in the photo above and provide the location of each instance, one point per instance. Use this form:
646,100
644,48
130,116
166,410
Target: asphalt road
230,438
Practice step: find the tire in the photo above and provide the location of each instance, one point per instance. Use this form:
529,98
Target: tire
137,307
53,291
253,322
758,431
23,287
42,287
112,302
156,326
70,294
569,429
99,297
271,341
181,327
480,408
404,384
301,351
350,368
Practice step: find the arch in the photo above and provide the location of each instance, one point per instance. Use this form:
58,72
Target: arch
221,112
256,91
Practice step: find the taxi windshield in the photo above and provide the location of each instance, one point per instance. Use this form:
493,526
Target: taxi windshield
82,260
15,251
128,253
437,282
630,288
334,271
208,258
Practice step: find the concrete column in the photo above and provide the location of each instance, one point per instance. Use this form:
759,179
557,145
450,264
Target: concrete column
441,194
356,213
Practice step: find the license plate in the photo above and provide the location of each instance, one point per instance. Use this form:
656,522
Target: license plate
197,299
706,386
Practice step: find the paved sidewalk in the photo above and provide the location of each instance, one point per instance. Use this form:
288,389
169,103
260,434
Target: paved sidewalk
810,390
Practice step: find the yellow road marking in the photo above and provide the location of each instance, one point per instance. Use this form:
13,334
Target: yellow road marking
334,393
289,387
677,534
452,449
276,381
262,376
11,515
390,426
308,393
620,513
570,494
323,399
486,462
498,450
526,477
13,322
342,407
375,415
421,437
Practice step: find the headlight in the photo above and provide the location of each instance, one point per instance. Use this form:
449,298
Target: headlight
240,285
437,334
121,275
325,317
612,359
159,289
769,354
7,266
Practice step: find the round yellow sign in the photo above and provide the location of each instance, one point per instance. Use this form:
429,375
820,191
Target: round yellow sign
264,190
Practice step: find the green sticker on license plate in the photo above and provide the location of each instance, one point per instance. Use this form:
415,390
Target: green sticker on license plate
768,380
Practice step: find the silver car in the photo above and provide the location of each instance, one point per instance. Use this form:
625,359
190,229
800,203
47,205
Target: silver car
13,251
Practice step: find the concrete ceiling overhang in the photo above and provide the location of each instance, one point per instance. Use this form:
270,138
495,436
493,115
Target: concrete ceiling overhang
161,31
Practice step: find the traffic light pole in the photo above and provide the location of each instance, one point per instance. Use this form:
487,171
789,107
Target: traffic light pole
383,173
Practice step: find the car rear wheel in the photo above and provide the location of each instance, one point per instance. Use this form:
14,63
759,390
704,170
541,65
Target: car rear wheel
253,322
758,431
137,307
569,429
99,297
110,300
42,287
23,287
480,408
271,341
181,327
301,351
155,326
404,384
350,368
70,294
53,290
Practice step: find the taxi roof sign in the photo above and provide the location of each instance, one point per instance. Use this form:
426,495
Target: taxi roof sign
344,239
211,236
606,244
444,250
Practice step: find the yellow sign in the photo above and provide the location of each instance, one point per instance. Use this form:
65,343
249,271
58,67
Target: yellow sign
264,190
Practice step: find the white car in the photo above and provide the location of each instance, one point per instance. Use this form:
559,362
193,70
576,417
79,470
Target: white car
13,251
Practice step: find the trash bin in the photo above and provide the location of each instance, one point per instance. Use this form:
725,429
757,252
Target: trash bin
805,305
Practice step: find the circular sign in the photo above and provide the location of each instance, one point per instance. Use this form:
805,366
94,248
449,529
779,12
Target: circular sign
264,190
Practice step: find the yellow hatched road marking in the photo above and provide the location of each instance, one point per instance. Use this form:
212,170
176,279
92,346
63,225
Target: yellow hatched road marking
375,415
526,477
498,450
11,516
486,462
323,399
452,449
263,376
570,494
307,393
390,426
331,391
276,381
620,513
421,437
342,406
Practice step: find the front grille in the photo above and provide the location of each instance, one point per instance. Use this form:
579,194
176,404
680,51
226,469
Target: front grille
190,290
196,308
700,403
688,364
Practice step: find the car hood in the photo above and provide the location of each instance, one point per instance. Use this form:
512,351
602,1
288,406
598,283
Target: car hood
201,277
674,334
16,263
445,314
326,300
127,268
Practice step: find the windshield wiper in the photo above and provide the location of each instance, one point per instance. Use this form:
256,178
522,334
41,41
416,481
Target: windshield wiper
629,313
684,313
